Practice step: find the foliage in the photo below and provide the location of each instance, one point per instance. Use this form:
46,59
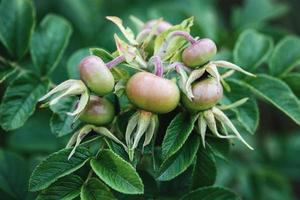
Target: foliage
39,49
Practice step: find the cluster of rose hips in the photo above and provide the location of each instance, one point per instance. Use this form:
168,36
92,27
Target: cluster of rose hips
197,86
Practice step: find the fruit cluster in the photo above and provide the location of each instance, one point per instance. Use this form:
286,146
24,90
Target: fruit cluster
172,69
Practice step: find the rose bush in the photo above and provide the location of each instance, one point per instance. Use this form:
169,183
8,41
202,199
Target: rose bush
150,120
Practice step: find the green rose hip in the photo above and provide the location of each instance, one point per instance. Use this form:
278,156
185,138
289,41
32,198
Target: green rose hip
207,93
99,111
152,93
96,75
199,53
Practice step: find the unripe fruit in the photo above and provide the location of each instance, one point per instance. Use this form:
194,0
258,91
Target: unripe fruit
199,53
161,25
99,111
96,75
207,93
152,93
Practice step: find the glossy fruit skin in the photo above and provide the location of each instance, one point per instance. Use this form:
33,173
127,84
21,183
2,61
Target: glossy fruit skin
207,93
161,26
99,111
199,53
96,75
152,93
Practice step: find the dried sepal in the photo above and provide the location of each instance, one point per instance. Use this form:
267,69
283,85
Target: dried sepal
220,116
213,71
132,123
143,125
183,77
196,74
131,54
234,104
69,88
127,32
84,131
80,135
202,126
229,65
212,124
137,22
151,130
105,132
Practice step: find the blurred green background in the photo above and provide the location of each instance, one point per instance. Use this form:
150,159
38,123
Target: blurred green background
272,171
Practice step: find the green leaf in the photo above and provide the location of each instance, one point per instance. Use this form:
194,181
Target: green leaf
61,123
180,161
255,13
74,61
211,193
205,13
248,113
204,170
293,80
16,25
14,173
5,72
30,139
20,99
277,93
56,166
117,173
66,188
94,189
220,147
252,49
177,133
49,42
101,53
285,56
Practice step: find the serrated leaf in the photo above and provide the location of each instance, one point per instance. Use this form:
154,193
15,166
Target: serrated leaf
14,173
211,193
5,72
277,93
66,188
74,61
20,99
177,133
293,80
180,161
94,189
49,42
255,13
117,173
56,166
16,25
219,147
252,49
248,113
285,56
61,123
29,139
204,170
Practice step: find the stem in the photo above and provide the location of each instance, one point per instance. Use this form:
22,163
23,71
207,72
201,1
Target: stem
89,175
115,61
173,34
177,65
184,34
159,70
142,35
